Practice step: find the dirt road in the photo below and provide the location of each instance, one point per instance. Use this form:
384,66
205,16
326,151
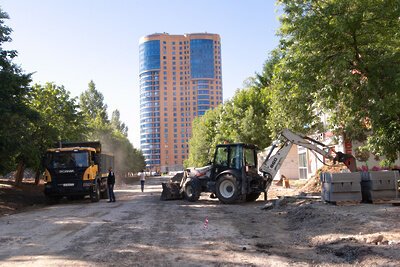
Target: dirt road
139,229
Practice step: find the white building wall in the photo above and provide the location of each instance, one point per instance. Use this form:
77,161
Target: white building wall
289,167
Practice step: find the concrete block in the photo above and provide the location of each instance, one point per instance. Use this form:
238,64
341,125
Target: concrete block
345,196
343,187
364,176
339,192
324,192
383,175
342,177
383,195
370,195
379,185
383,184
322,176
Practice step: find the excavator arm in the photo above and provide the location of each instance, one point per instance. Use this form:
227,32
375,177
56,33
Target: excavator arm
284,143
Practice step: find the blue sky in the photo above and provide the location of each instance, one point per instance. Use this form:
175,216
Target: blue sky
70,42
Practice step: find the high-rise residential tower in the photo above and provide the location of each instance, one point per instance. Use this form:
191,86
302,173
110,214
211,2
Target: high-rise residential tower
180,79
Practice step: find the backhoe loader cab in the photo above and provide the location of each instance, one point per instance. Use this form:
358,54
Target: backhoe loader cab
234,157
233,175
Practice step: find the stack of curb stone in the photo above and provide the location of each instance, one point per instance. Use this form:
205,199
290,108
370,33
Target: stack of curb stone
379,185
341,187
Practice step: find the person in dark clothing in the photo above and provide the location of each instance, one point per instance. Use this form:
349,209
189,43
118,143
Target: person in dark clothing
110,184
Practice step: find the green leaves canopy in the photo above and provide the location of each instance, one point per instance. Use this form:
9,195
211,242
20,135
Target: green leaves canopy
59,120
16,115
92,104
340,58
240,120
337,68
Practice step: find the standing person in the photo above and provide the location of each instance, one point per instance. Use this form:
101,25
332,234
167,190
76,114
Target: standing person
142,179
110,184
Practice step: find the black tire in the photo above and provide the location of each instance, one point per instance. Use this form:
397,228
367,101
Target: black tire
192,190
95,193
252,197
105,194
227,189
51,200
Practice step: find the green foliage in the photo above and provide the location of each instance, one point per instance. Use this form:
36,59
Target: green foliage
92,104
340,58
202,142
59,121
240,120
117,124
15,112
250,109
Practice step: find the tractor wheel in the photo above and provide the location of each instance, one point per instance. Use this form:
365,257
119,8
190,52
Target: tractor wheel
252,197
227,189
95,193
192,190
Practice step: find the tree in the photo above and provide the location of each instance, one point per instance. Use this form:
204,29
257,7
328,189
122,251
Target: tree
92,104
202,143
59,121
15,112
242,119
340,58
117,124
250,110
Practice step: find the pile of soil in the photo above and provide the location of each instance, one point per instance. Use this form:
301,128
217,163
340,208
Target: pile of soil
15,199
313,184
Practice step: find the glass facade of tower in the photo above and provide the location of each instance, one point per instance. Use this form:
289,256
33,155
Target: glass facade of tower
149,55
202,58
149,65
180,79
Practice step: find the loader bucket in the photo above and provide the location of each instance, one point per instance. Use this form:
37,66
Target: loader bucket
171,191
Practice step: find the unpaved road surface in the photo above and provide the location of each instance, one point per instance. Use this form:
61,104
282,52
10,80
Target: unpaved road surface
141,230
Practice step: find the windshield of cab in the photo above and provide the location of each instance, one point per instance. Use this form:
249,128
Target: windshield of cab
249,157
67,159
229,157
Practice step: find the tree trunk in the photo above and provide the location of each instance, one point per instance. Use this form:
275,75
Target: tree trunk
38,175
19,175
